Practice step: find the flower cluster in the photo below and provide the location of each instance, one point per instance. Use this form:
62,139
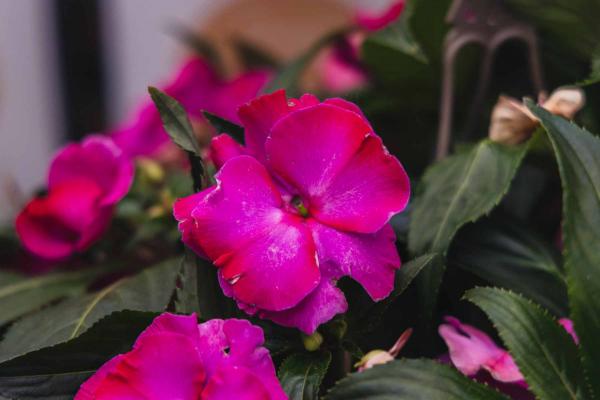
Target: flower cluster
306,202
175,358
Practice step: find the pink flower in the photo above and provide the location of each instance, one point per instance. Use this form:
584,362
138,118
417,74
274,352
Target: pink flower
198,88
85,181
373,22
472,352
340,67
306,202
175,358
568,325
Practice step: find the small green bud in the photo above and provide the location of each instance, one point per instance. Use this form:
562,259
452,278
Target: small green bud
312,342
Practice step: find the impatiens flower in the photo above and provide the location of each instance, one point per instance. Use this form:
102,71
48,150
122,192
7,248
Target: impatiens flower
340,67
512,122
306,202
175,358
473,352
372,21
85,181
198,88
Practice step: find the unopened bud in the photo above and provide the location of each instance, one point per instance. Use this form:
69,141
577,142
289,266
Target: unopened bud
565,102
312,342
377,357
511,123
151,170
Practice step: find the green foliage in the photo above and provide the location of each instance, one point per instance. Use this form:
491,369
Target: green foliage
150,290
545,353
460,189
20,294
509,255
371,315
301,374
223,126
577,154
288,76
57,371
175,120
411,380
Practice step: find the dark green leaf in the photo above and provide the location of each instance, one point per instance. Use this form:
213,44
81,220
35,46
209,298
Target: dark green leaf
301,374
545,353
460,189
577,154
514,257
21,294
405,275
58,371
175,121
213,303
150,290
187,294
411,380
288,76
223,126
254,57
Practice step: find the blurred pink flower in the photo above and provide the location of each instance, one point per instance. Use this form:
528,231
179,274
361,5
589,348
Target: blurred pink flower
340,67
306,202
198,88
472,352
175,358
85,181
373,22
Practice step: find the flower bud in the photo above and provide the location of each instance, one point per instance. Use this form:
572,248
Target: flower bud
312,342
377,357
151,170
565,102
511,123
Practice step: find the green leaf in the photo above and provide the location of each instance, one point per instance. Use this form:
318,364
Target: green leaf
223,126
301,374
254,57
175,121
150,290
288,76
213,303
577,154
58,371
404,276
545,353
187,293
459,189
21,294
514,257
411,380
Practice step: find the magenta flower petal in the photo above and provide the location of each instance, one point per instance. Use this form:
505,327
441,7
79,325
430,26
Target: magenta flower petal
98,159
321,305
267,256
309,147
66,220
175,358
364,195
472,350
259,116
237,92
224,147
370,259
570,328
229,344
236,383
182,211
374,22
348,105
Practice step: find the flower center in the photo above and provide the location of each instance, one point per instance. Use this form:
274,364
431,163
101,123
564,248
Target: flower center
299,206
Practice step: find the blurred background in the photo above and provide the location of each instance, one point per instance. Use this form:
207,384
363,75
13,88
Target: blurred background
69,67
